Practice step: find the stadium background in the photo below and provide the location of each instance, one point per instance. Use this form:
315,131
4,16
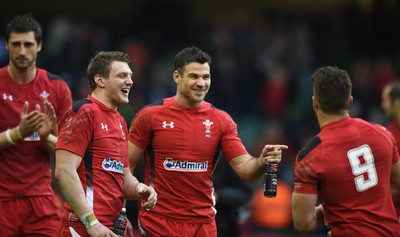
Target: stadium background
263,55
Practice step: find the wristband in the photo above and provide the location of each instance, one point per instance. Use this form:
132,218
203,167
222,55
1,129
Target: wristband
8,137
19,134
92,223
88,220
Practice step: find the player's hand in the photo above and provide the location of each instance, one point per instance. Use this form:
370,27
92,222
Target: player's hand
49,122
99,230
30,122
271,154
147,194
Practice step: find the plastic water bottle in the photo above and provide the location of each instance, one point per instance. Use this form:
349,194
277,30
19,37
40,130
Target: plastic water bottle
120,223
270,180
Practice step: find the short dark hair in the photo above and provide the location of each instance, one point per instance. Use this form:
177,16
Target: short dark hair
189,55
332,88
23,24
101,64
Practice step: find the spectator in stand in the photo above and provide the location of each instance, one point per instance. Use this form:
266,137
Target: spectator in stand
232,197
391,107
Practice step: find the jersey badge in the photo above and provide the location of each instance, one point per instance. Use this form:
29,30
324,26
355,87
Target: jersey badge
165,124
185,166
113,165
44,95
7,97
208,125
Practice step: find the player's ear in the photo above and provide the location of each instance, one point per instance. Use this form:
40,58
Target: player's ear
314,102
39,46
99,81
177,76
350,101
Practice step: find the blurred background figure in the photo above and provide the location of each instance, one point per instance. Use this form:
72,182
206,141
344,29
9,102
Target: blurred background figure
232,196
391,107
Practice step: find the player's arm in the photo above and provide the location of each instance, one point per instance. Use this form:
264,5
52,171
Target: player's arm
67,177
135,153
10,137
71,187
29,123
306,216
251,168
133,189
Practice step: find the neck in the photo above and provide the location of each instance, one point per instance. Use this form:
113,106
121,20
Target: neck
396,119
324,119
185,102
103,99
22,75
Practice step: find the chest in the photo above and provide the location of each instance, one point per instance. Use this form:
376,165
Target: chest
186,134
109,136
13,97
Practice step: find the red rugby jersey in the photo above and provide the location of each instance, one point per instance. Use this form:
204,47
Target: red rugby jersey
25,167
98,134
349,164
181,150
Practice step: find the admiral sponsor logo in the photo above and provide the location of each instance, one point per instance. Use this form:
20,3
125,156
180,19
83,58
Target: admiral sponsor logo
33,137
113,165
186,166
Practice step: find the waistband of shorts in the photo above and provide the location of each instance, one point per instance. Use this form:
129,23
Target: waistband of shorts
186,221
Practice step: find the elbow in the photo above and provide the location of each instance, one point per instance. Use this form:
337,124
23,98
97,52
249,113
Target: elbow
59,174
302,225
248,177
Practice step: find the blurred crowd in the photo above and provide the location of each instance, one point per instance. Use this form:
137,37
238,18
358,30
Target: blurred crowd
260,73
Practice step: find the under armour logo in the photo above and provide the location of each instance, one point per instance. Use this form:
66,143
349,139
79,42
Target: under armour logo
44,94
104,126
9,97
165,124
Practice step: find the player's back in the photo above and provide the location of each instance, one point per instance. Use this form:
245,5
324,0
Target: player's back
354,160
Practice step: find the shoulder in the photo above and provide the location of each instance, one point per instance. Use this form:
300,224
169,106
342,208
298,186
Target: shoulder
386,133
3,71
83,104
222,115
151,107
310,146
47,75
51,77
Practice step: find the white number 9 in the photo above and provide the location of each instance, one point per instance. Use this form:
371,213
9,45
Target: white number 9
359,169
